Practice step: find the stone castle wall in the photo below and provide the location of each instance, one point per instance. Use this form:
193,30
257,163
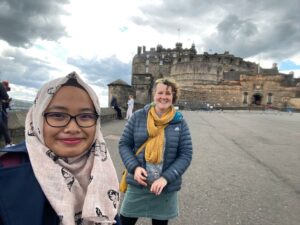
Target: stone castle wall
214,79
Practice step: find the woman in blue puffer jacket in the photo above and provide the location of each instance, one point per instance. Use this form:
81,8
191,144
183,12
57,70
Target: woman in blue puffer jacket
156,149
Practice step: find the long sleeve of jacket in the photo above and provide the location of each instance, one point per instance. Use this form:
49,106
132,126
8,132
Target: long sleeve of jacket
184,155
126,146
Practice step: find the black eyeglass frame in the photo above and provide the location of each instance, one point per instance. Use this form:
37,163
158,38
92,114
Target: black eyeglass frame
45,114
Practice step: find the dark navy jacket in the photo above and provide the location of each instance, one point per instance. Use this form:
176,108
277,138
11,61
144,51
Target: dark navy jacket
178,148
22,201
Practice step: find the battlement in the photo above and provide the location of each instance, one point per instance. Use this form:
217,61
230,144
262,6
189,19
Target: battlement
181,55
218,78
187,66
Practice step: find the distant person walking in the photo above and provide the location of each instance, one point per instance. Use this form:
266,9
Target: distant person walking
114,104
130,105
4,105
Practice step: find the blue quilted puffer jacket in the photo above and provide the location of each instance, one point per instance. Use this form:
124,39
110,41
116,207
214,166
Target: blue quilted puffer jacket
177,154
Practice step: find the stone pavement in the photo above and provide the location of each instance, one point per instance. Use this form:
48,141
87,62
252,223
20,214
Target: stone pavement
245,168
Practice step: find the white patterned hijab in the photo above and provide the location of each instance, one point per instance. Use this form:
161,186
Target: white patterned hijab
97,202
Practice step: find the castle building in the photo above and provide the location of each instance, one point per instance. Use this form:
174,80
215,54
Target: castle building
220,80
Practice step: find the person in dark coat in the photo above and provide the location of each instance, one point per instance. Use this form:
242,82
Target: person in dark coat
4,105
156,149
114,104
63,173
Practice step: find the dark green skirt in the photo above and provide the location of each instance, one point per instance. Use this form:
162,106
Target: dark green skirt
142,203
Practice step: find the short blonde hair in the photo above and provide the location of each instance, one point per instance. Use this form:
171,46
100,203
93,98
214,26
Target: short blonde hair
170,82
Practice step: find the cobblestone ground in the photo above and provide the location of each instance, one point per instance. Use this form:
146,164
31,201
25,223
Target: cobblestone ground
245,169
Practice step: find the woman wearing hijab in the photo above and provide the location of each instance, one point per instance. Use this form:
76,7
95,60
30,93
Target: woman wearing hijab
156,149
63,174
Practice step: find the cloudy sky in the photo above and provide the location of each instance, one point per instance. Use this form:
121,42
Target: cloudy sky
40,40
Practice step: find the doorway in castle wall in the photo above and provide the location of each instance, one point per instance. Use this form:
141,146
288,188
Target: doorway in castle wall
257,99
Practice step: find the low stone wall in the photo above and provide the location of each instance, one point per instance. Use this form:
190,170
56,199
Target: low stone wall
108,114
16,122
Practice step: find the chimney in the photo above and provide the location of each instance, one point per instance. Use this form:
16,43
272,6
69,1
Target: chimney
139,49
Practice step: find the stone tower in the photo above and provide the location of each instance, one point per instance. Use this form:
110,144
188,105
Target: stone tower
222,80
215,79
121,90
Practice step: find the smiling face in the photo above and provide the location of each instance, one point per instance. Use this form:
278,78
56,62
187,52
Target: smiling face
163,98
71,140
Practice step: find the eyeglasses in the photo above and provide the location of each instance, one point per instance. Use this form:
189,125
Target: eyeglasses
60,119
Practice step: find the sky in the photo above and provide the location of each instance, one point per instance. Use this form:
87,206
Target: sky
42,40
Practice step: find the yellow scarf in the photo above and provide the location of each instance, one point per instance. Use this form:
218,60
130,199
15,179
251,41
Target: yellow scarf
156,130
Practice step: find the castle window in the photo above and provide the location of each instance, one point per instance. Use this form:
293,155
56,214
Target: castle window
245,101
161,62
269,98
147,69
147,62
208,68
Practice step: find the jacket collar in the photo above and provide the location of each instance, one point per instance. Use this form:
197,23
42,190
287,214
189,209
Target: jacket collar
177,118
21,147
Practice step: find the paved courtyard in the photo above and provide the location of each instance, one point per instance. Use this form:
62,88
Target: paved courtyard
245,168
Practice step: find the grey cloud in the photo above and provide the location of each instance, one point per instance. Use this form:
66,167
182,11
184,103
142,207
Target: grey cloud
244,38
232,27
169,16
24,70
21,22
245,28
235,35
103,71
181,8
